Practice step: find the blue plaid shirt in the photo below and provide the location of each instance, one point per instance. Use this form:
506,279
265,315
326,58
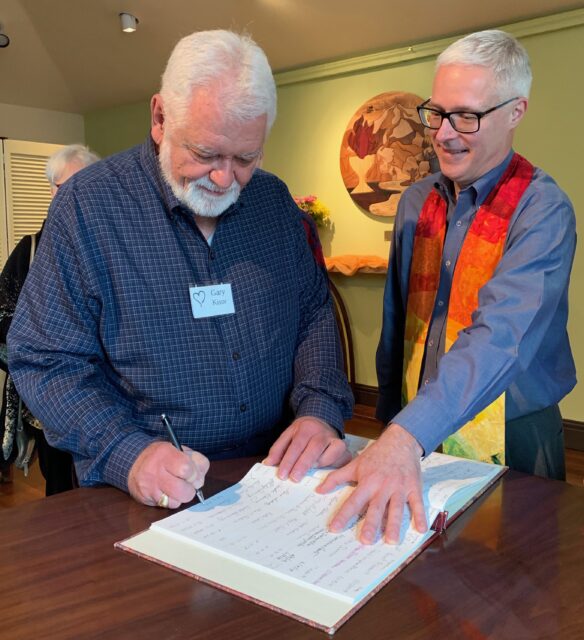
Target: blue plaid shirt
103,340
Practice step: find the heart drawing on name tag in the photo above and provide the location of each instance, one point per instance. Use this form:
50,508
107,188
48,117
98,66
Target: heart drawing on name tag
199,296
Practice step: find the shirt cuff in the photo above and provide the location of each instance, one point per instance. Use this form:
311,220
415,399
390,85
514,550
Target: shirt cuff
429,423
117,467
327,411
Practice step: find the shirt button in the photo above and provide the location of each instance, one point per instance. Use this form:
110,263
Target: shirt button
212,255
440,303
242,407
458,223
431,343
447,263
426,381
235,355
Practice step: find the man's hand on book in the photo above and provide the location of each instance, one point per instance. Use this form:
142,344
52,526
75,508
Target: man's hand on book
388,476
161,469
308,442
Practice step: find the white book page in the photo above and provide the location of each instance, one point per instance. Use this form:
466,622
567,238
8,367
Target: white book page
281,527
444,476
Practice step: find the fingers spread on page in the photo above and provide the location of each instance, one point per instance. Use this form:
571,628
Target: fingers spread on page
387,477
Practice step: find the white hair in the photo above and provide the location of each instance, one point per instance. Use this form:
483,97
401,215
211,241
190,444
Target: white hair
221,58
498,51
71,154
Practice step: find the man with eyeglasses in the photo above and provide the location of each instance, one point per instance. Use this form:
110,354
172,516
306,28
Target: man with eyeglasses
179,292
474,352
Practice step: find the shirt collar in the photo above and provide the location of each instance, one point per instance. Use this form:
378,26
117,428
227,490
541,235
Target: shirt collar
481,187
149,157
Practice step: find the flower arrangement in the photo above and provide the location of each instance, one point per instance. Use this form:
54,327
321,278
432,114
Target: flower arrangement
315,209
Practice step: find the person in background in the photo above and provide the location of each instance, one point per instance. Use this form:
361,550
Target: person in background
474,350
20,430
176,278
66,162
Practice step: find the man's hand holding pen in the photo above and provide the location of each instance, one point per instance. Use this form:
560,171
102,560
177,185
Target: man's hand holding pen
163,470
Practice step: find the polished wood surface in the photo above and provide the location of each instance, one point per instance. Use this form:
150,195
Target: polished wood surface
509,567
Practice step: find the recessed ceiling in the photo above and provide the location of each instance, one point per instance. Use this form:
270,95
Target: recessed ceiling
71,55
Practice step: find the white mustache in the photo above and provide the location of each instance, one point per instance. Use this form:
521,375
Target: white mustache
209,185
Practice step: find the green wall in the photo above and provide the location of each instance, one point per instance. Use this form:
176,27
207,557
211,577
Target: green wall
314,107
111,130
552,139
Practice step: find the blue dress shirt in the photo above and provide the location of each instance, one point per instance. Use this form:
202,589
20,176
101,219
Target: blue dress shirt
518,341
103,340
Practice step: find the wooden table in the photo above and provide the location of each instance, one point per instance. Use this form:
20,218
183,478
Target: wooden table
511,567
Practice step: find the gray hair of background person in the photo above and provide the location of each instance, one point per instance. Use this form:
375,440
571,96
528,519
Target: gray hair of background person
71,154
498,51
204,58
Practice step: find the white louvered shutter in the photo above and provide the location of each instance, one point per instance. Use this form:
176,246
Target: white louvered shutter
3,225
27,191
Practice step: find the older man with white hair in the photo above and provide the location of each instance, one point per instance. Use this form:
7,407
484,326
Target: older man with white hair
178,287
66,162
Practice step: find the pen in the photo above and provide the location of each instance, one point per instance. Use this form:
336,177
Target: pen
176,443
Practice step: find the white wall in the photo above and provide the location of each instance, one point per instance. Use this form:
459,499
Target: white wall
41,125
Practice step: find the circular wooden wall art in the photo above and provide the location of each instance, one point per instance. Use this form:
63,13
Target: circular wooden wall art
384,150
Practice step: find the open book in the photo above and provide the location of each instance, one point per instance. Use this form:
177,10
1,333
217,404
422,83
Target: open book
266,540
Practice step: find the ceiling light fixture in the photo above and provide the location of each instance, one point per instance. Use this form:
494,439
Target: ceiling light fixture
129,22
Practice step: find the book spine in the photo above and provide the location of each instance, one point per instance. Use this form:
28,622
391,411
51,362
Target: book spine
439,524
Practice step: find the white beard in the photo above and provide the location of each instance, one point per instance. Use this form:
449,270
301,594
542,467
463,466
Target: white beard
194,194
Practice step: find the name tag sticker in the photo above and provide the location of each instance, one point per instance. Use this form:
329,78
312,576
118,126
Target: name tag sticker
211,300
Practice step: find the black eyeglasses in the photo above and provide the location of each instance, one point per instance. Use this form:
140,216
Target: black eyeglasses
461,121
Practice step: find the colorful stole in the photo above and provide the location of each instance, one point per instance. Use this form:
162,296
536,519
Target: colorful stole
483,438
